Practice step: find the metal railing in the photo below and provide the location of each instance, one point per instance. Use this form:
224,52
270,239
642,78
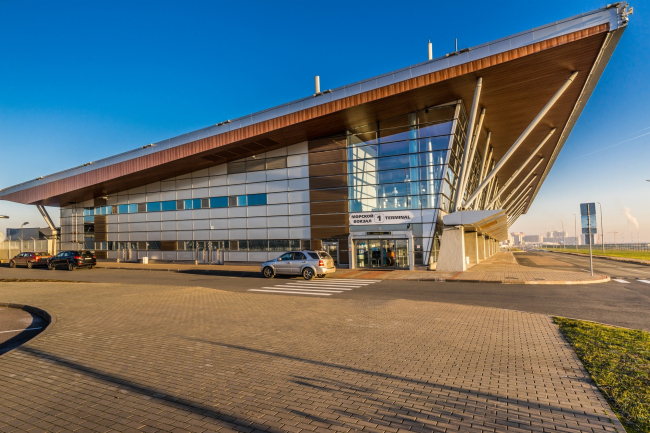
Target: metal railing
599,247
9,249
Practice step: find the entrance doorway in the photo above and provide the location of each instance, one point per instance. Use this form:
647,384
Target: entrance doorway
382,253
332,248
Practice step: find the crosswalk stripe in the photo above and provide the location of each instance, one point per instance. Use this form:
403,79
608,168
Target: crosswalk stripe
320,285
621,281
333,282
352,279
291,292
644,281
309,289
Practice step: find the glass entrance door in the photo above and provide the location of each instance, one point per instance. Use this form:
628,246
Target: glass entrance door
374,251
388,253
381,253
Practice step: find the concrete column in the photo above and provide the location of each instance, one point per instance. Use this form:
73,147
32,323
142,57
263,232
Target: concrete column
471,248
488,245
452,250
480,242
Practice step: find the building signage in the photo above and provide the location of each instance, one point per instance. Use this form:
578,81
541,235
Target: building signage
366,218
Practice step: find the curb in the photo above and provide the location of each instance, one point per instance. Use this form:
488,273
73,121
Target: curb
50,319
202,271
604,279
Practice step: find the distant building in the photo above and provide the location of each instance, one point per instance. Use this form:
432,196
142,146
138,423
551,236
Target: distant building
532,239
29,233
517,238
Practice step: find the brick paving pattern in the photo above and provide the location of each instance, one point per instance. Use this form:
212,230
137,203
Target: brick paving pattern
501,268
145,358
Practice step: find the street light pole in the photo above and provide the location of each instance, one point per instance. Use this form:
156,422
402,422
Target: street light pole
21,236
602,229
563,238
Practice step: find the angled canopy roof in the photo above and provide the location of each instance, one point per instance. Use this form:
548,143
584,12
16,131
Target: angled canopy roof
520,74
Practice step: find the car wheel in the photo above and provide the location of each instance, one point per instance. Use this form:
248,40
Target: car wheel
51,266
71,266
90,267
308,273
12,264
321,275
30,265
268,272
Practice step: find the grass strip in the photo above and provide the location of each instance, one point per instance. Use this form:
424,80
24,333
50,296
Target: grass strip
637,255
618,360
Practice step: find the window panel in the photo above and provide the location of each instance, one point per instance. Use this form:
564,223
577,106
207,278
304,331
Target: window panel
168,205
279,245
219,202
153,207
256,199
241,200
258,245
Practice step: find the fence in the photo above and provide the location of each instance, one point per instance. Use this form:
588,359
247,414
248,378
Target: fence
599,247
9,249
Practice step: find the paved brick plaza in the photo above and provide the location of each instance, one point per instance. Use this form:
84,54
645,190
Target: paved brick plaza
125,358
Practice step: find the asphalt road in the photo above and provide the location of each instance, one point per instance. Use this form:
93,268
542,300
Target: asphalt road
17,326
617,303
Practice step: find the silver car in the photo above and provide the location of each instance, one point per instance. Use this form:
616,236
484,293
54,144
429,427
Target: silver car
309,264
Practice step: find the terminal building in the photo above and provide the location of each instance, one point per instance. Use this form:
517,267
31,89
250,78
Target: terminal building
428,165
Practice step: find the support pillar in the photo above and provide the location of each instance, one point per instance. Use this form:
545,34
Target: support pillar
480,242
471,248
452,250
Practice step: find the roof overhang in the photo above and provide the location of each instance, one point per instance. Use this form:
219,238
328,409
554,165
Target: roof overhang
520,73
492,223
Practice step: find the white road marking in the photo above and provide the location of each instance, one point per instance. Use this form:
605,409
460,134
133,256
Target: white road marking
308,289
644,281
293,293
316,287
20,330
319,285
621,281
352,279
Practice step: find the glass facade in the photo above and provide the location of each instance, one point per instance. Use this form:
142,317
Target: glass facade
410,162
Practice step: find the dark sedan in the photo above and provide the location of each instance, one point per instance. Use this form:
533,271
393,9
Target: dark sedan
72,260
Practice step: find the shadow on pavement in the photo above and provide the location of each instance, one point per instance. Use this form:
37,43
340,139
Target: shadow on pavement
37,325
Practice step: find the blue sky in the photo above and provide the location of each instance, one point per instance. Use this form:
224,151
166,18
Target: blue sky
85,80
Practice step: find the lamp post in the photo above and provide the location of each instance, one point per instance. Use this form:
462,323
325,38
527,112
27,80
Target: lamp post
21,236
563,240
602,229
575,231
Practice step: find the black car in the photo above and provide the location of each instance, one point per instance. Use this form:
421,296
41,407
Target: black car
72,260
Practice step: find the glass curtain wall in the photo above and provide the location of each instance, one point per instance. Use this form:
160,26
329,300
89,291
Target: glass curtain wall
408,162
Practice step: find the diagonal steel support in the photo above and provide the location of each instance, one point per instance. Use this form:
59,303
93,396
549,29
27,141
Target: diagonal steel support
522,166
521,138
524,180
520,197
468,142
473,147
486,156
46,217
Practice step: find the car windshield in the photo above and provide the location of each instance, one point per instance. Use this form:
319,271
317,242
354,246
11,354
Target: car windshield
86,254
42,254
324,255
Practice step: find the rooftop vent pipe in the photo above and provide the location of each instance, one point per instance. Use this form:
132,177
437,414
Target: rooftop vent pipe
317,83
430,50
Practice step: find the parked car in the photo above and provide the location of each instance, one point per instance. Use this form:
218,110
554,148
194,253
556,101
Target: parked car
72,260
29,259
306,263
